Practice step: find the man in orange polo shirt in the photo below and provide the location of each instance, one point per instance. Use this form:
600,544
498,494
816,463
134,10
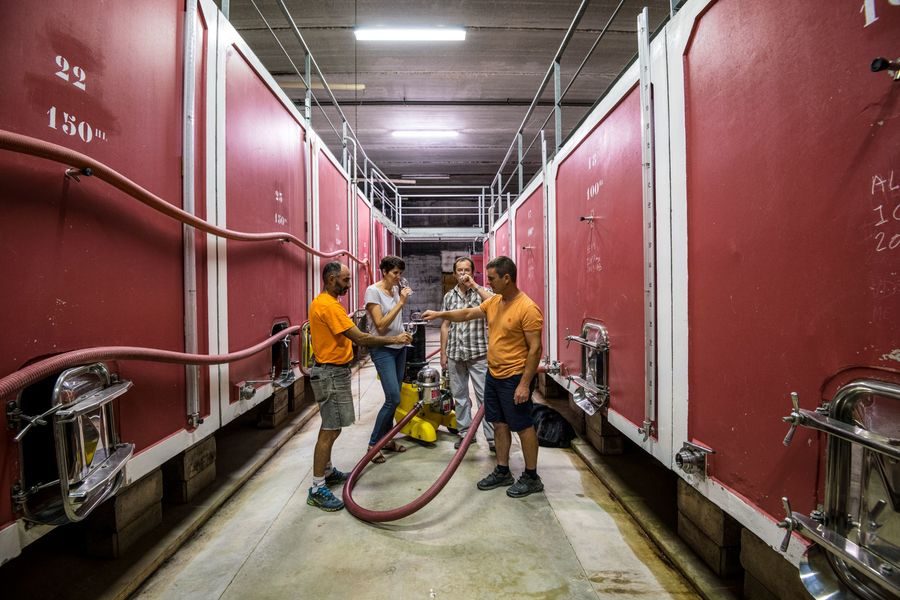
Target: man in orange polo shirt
333,335
514,351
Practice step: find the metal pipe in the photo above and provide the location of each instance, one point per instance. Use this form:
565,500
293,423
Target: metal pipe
462,214
649,214
442,187
546,223
192,374
439,207
520,166
307,97
557,110
473,196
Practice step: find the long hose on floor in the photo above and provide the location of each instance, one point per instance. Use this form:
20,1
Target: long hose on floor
380,516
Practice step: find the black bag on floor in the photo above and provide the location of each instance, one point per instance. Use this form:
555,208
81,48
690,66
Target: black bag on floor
553,431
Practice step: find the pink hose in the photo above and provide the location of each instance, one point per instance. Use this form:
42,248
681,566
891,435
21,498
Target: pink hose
35,372
42,149
380,516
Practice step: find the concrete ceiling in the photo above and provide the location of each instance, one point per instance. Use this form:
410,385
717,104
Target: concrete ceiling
480,87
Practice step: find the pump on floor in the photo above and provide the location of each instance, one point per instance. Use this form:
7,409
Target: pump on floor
424,383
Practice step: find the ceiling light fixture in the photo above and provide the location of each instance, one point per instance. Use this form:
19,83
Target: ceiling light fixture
429,34
290,83
426,176
425,133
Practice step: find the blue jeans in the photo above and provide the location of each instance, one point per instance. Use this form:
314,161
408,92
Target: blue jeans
390,364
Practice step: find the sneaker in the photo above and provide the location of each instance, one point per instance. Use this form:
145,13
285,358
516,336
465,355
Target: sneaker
495,479
492,447
336,477
525,486
324,499
457,443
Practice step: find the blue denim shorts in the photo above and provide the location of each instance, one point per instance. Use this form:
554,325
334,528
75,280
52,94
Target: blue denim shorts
331,387
500,402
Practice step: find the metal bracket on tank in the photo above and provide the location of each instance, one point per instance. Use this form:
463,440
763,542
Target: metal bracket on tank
590,398
891,66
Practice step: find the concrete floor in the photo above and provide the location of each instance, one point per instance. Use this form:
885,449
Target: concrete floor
572,541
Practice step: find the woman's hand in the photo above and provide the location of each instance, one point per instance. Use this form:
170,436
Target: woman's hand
405,293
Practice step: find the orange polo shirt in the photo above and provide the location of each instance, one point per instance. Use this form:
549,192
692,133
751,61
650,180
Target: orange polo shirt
328,321
507,324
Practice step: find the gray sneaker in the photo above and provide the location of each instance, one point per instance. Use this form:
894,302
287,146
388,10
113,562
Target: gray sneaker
324,499
525,486
495,479
336,477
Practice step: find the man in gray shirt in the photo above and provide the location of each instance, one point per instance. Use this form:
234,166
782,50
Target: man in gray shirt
464,348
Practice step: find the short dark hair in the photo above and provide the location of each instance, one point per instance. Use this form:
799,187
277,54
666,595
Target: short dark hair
459,259
389,263
332,269
503,265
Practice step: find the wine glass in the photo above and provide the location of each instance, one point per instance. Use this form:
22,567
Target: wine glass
412,326
404,283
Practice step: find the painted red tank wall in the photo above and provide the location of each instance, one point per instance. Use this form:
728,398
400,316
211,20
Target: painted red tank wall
265,191
601,275
792,278
334,222
364,244
501,239
84,264
378,247
529,223
478,259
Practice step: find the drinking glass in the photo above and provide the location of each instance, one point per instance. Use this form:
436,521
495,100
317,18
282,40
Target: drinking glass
404,283
412,327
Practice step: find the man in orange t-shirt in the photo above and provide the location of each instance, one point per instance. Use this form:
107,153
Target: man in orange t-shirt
333,335
514,351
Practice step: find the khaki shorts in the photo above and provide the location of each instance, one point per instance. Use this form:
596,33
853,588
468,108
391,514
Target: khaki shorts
331,387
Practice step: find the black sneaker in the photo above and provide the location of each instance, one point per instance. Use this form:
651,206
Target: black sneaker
525,486
336,477
492,447
495,479
457,443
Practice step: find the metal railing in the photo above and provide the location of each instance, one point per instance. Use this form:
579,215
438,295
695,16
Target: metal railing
511,173
376,186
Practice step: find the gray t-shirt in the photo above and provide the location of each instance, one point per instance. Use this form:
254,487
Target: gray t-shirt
376,295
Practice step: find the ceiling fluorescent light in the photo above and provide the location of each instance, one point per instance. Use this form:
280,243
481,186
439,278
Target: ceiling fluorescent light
425,176
316,85
424,133
431,34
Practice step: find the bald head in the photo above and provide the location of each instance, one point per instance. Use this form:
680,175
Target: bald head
336,278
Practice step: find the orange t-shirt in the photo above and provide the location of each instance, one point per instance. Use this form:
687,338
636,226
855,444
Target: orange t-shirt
328,321
507,324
